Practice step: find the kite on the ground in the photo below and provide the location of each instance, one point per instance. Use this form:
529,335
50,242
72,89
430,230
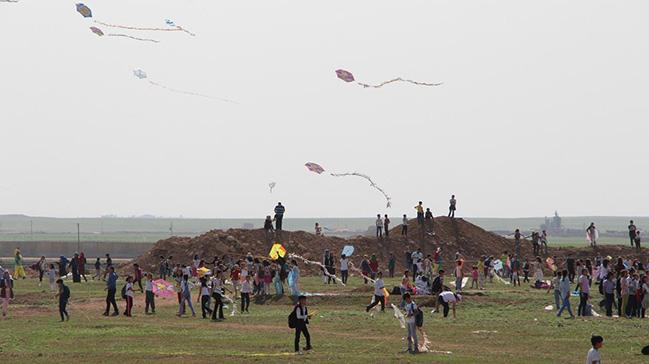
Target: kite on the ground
277,251
100,33
314,167
142,75
372,184
271,186
162,288
349,77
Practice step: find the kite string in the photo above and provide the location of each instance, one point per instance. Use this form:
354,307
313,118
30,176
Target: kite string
189,93
399,79
353,268
176,29
324,269
135,38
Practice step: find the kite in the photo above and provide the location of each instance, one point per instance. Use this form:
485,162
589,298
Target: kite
372,184
162,288
424,342
142,75
324,269
348,250
202,271
349,77
84,10
271,186
314,167
100,33
277,251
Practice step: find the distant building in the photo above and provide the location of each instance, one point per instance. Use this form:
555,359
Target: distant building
553,225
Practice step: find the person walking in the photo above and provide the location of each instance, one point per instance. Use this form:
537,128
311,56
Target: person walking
593,356
64,297
564,288
279,216
451,207
128,296
186,297
205,298
217,294
302,316
138,274
6,292
392,264
430,220
82,266
97,269
19,271
411,313
246,290
584,290
344,268
379,295
42,268
111,289
404,226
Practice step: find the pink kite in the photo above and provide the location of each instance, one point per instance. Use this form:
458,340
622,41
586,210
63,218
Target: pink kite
162,288
349,77
97,31
314,167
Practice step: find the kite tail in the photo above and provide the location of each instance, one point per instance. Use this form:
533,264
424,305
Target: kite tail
353,268
372,184
399,316
324,269
134,38
399,79
189,92
176,29
424,342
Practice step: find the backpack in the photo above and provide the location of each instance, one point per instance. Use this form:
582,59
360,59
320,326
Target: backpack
419,318
292,319
124,292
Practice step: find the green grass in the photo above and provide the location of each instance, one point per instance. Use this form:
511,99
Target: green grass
341,331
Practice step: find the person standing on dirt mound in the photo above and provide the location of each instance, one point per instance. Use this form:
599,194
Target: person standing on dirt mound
632,232
420,217
451,207
279,216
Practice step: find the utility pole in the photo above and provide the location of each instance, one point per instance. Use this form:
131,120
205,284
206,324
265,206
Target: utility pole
78,238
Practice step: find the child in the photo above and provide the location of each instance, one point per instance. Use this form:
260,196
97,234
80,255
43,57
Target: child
474,277
217,294
129,296
51,276
205,298
246,290
97,269
235,276
411,312
302,320
593,356
64,296
137,271
150,297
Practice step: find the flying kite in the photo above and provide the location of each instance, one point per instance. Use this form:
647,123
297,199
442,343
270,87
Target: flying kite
348,250
314,167
100,33
372,184
84,10
349,77
142,75
271,186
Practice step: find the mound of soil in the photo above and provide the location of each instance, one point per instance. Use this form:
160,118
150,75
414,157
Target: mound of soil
452,235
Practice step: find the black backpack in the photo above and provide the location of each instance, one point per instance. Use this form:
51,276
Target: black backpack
419,318
124,292
292,319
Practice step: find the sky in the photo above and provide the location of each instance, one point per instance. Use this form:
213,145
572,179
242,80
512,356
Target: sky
543,108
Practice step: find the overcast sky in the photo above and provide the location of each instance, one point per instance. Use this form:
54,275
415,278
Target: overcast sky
544,106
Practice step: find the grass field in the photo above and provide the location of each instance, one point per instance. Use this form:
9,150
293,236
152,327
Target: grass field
517,329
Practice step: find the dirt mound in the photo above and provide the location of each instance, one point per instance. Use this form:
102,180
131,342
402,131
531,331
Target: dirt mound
452,235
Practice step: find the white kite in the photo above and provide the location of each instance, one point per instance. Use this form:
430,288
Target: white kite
271,186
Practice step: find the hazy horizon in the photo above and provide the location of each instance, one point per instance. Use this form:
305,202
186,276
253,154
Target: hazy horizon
541,109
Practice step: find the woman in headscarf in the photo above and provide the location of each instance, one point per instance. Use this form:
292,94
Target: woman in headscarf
19,271
374,266
6,292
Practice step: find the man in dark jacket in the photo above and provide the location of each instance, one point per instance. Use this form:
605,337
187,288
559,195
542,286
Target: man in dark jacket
279,216
64,297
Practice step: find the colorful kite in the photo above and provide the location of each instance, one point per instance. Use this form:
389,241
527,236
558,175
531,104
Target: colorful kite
349,77
202,271
372,184
277,251
100,33
162,288
142,75
314,167
84,10
271,186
